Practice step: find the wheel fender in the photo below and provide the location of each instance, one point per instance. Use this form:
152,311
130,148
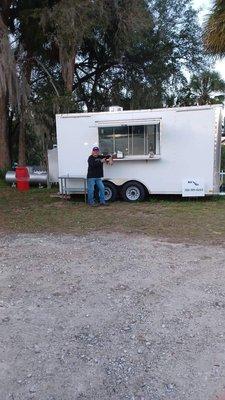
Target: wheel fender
122,181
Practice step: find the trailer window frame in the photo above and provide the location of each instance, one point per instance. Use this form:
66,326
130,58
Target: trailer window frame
151,139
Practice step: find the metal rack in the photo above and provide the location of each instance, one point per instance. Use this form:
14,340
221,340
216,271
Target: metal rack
67,190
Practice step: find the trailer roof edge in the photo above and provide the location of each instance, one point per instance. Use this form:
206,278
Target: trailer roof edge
179,109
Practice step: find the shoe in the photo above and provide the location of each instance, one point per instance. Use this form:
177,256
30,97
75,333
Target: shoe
104,204
93,205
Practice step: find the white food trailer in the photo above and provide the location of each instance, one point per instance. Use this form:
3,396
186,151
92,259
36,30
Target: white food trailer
159,151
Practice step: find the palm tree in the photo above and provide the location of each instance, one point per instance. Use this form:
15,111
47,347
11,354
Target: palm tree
214,36
204,87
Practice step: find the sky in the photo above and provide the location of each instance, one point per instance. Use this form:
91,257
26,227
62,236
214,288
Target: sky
204,6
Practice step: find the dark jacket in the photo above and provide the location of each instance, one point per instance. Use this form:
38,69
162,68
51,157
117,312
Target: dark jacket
95,167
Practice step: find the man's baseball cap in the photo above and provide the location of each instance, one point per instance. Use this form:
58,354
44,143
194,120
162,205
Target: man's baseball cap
95,148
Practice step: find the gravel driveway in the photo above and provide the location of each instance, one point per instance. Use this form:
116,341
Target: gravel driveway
110,317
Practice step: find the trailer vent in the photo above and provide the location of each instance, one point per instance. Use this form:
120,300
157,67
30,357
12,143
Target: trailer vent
115,108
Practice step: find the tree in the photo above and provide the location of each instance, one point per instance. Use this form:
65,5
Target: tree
149,66
76,54
172,46
205,86
65,24
73,24
214,36
8,91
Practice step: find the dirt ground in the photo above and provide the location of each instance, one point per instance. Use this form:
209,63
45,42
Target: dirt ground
110,316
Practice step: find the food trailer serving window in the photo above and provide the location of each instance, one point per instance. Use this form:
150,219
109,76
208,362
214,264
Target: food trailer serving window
130,140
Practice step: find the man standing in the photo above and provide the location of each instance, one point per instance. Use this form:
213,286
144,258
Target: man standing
94,177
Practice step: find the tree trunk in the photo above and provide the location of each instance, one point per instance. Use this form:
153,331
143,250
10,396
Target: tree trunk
67,64
68,75
23,113
4,143
22,140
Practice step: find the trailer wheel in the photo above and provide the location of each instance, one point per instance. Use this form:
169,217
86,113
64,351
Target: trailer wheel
133,191
110,191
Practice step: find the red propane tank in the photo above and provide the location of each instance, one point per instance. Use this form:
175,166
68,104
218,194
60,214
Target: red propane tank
22,179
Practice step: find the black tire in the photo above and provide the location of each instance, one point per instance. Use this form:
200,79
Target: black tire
133,191
110,191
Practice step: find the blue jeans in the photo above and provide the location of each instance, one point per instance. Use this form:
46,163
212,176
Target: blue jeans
91,182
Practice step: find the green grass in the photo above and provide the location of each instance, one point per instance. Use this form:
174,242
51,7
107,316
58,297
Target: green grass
3,184
174,218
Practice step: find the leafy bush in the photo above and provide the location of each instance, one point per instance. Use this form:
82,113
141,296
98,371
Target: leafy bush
2,173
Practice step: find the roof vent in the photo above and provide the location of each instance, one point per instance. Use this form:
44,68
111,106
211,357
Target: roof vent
115,108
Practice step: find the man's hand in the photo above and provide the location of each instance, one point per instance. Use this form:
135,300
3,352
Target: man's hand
103,160
109,161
